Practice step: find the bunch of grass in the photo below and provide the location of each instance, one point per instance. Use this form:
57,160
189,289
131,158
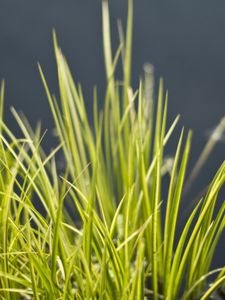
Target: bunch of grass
120,246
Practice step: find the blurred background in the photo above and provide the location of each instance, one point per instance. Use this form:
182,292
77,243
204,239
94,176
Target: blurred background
184,40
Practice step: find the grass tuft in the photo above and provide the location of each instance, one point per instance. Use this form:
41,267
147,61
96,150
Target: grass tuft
104,231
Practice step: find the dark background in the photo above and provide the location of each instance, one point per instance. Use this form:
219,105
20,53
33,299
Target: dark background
185,41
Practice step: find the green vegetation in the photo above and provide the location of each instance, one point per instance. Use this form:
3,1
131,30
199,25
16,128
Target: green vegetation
120,245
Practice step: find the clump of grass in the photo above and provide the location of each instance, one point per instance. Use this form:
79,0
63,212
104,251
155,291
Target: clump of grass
120,246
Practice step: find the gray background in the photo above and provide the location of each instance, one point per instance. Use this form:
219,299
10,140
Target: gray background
185,40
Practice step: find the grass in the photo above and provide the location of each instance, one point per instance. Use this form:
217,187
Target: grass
104,231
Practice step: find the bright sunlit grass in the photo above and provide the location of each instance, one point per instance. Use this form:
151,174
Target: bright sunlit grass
119,245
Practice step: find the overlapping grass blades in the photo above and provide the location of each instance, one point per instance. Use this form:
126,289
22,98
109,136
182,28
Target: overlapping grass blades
119,246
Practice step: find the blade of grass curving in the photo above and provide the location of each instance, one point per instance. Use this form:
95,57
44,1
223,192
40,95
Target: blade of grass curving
179,251
215,186
213,288
189,292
